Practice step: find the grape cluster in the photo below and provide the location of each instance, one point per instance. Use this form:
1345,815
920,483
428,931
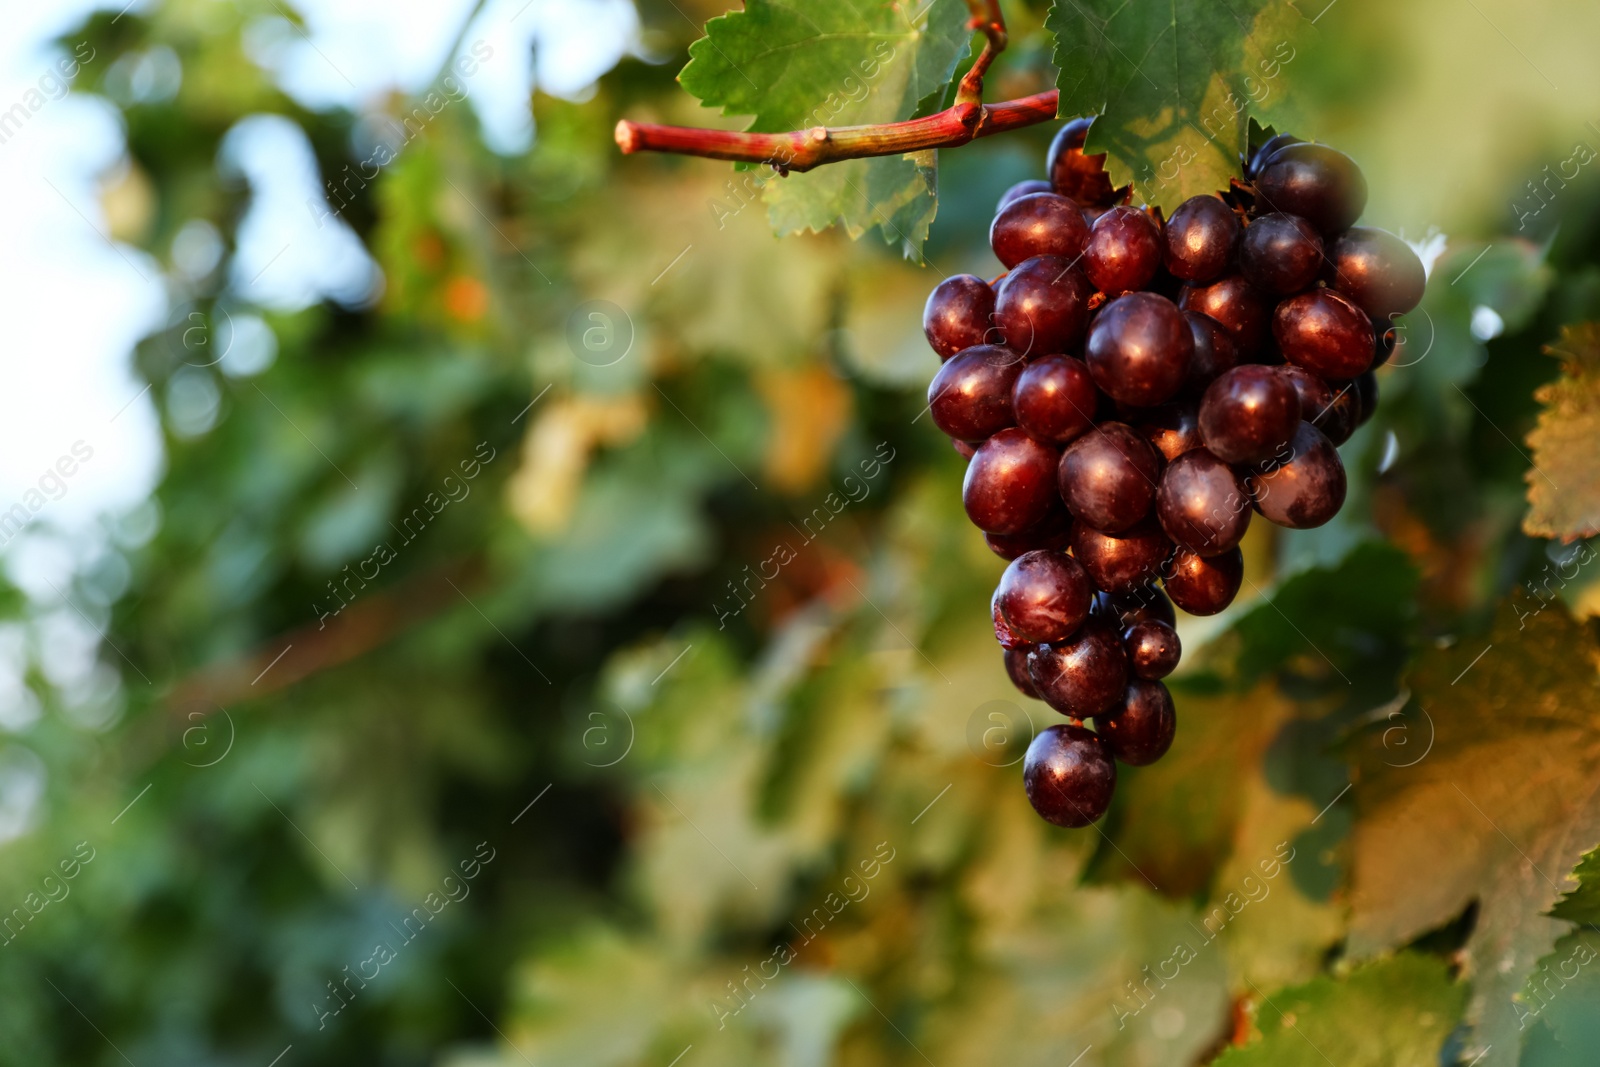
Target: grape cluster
1127,394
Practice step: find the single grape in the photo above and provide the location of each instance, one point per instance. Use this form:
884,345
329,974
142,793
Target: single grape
1376,270
1139,349
1069,775
1199,239
1307,489
970,396
1139,730
1016,660
1054,399
1083,676
1042,306
1009,484
1153,648
1022,188
1039,224
1203,585
1318,183
1044,596
1108,477
1366,390
1123,610
1123,251
1236,306
1325,333
956,315
1073,174
1173,428
1122,562
1201,504
1213,351
1054,531
1280,253
1268,148
1332,407
1248,414
1002,629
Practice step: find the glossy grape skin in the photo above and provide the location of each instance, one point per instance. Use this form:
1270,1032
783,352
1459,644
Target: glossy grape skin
1054,399
1201,505
1377,271
1122,610
1069,775
1054,531
1016,661
1139,349
1280,253
1214,351
1268,148
1204,585
1320,184
1153,649
1366,389
1199,240
1248,414
1108,477
1022,188
1325,333
1172,428
1042,306
1075,175
1123,251
1332,407
1039,224
1044,596
1083,676
1139,730
1122,562
970,396
1308,489
1237,306
956,316
1010,483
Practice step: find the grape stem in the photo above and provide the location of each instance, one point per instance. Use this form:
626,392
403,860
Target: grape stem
801,150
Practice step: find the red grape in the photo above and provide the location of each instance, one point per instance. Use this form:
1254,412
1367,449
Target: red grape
1318,183
1153,648
1248,414
1039,224
1122,562
1307,489
1010,483
1214,350
1083,676
1052,531
1108,477
1234,304
1199,239
1125,609
1022,188
970,397
1201,504
1325,333
1139,730
1139,349
1016,660
1376,270
1069,775
956,315
1280,253
1042,306
1173,428
1073,174
1054,399
1332,407
1044,596
1123,251
1268,148
1203,585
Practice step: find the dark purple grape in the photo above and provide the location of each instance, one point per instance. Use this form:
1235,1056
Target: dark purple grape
1108,477
1366,390
956,315
1054,399
1022,188
1199,239
1044,596
1325,333
1268,148
1307,489
1039,224
1139,349
1139,730
970,397
1122,562
1203,585
1236,306
1173,428
1214,351
1280,253
1388,337
1248,414
1042,306
1054,531
1069,775
1201,504
1010,483
1082,676
1123,252
1377,271
1332,407
1318,183
1123,610
1075,175
1153,649
1016,660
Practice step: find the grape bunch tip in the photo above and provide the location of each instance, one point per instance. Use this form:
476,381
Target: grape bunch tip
1128,393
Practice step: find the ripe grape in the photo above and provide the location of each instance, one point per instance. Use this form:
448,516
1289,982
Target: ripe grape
1325,333
1039,224
970,397
1203,585
1122,562
1125,609
1280,253
1269,148
1123,251
1082,676
1318,183
1201,504
1073,174
1376,270
1248,414
1307,489
1236,306
956,315
1044,596
1022,188
1016,660
1069,775
1173,428
1153,648
1199,239
1108,477
1052,531
1213,350
1010,483
1139,349
1139,730
1332,407
1042,306
1366,390
1054,399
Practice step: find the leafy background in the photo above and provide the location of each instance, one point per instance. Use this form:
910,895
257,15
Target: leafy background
791,831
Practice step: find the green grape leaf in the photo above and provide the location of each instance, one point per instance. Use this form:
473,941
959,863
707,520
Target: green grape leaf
1497,810
1564,481
1582,905
1395,1012
1559,1008
1175,84
793,65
